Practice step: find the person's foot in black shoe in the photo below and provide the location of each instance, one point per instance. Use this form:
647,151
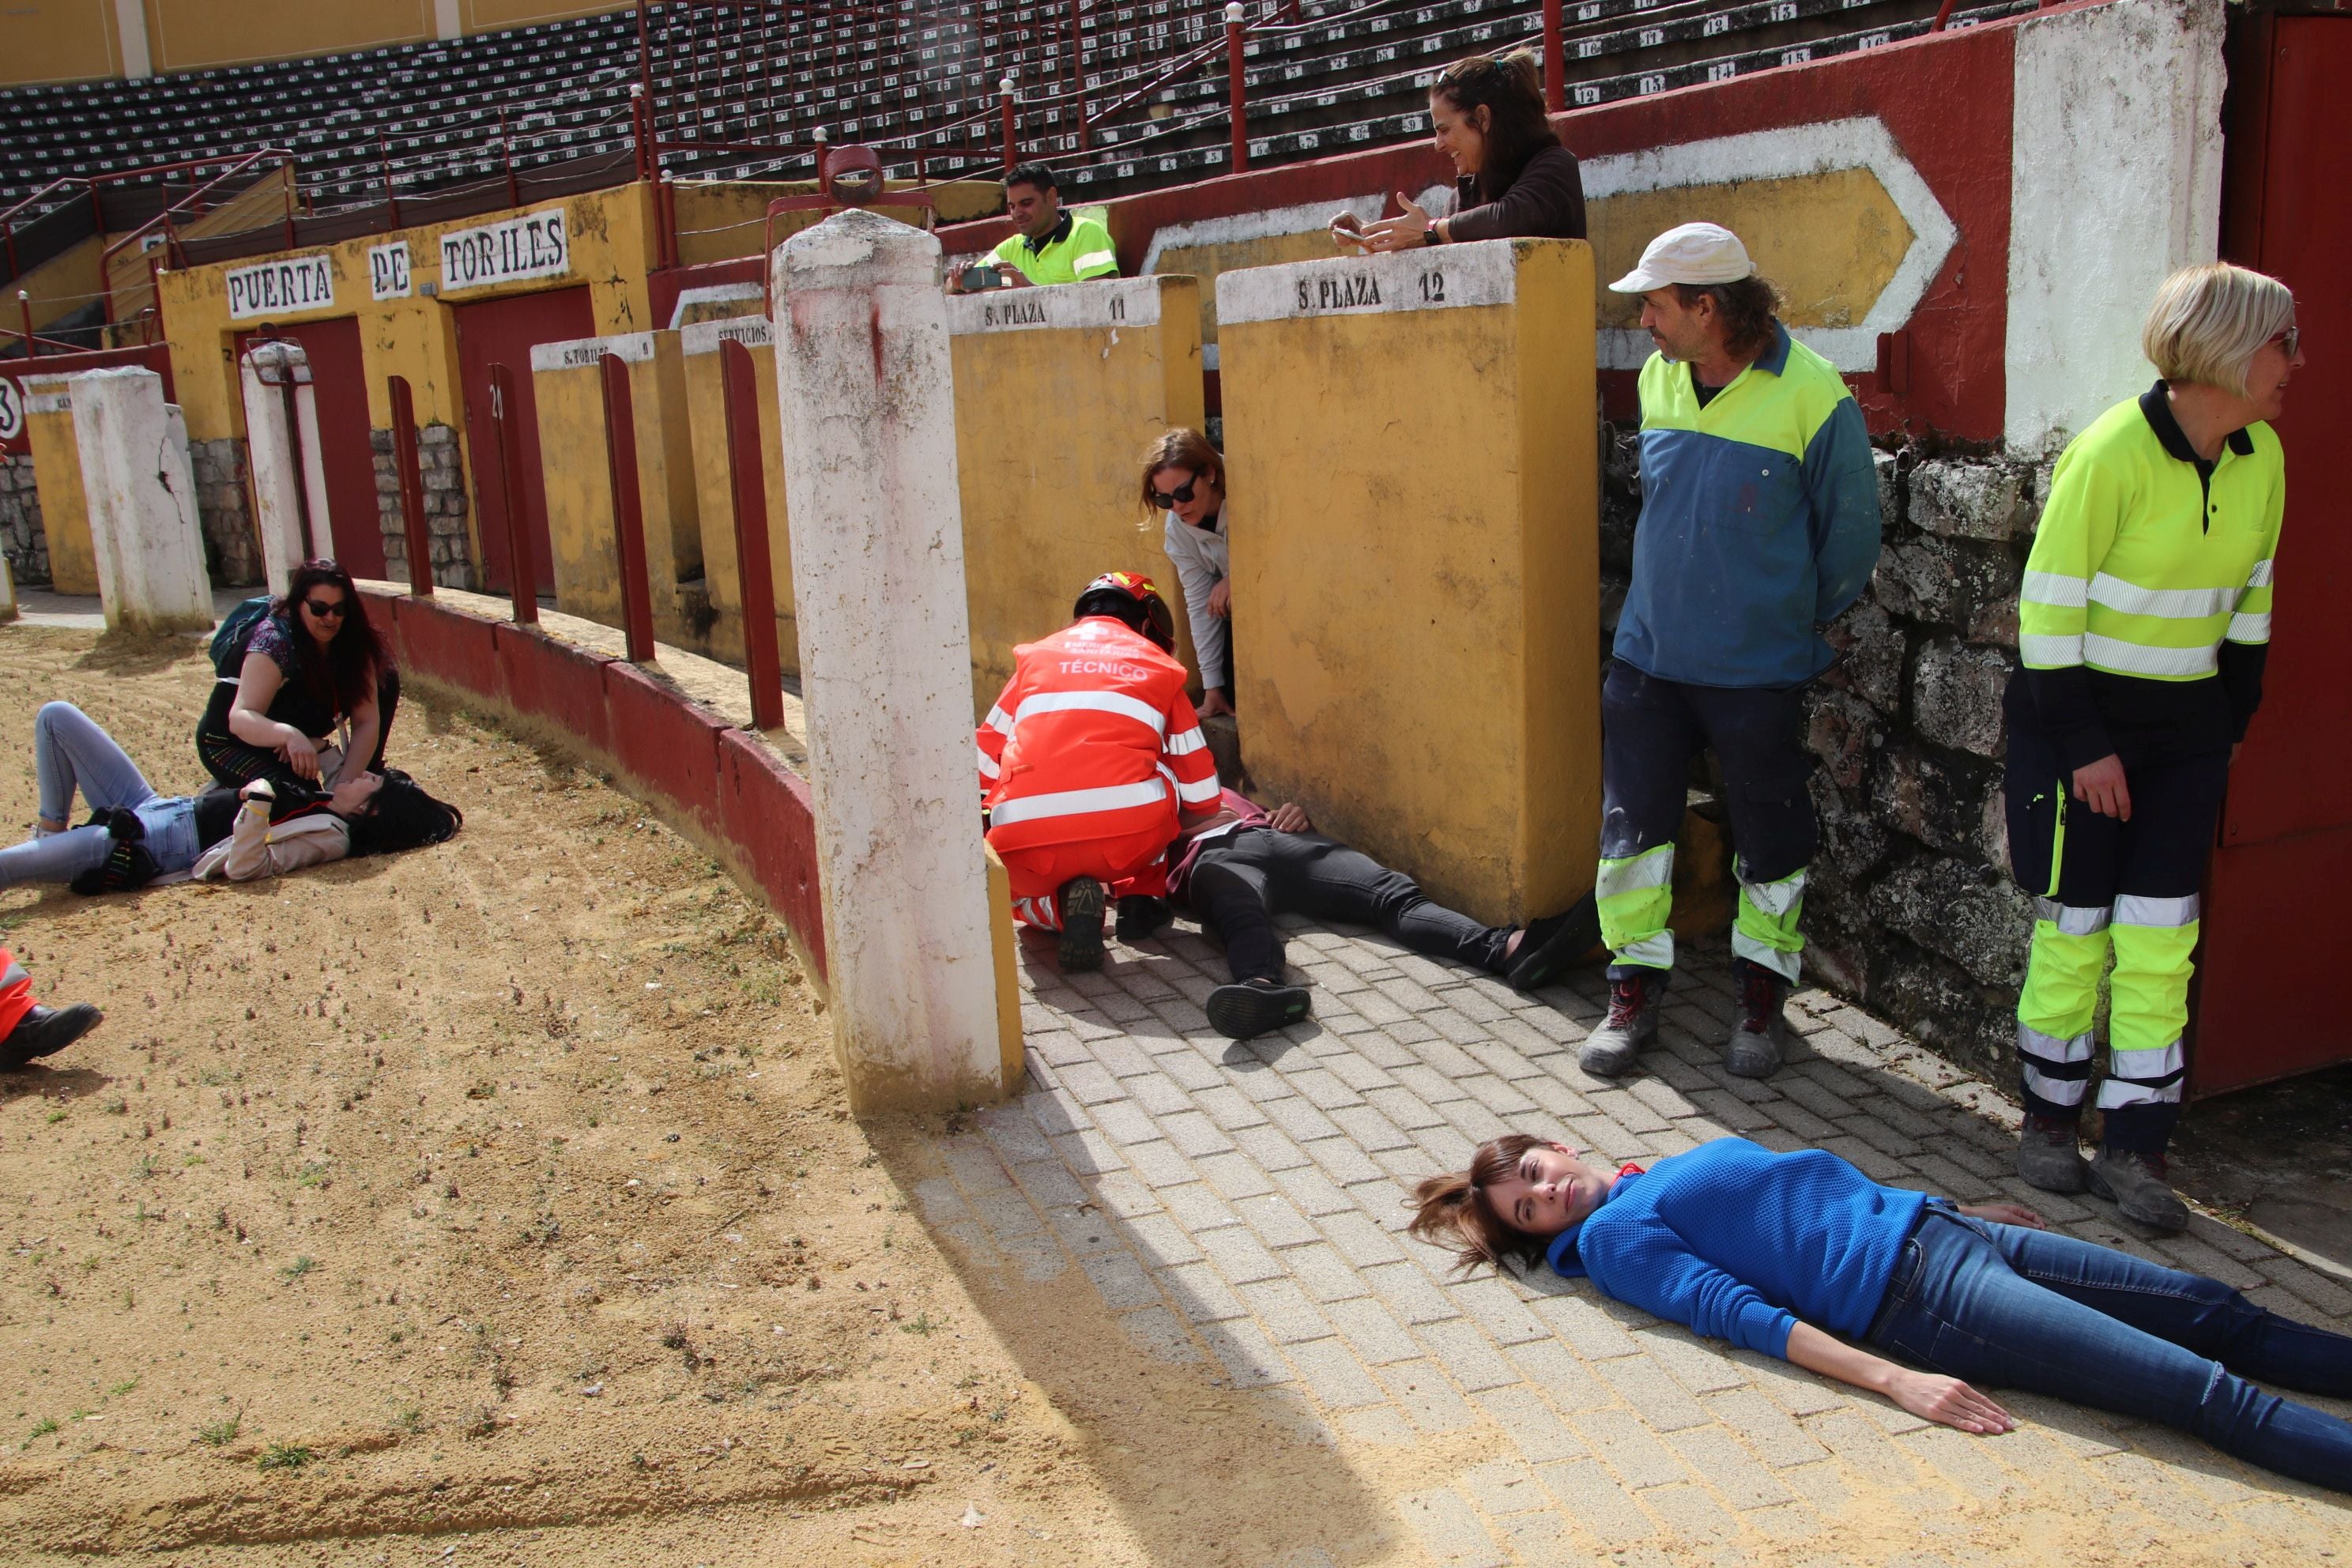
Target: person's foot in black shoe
1256,1007
1080,901
1141,916
45,1031
1548,946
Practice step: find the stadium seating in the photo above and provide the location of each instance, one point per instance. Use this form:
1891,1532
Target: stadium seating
919,82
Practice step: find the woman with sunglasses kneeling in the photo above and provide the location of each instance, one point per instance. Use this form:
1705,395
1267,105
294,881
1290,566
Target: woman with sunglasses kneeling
1184,477
312,695
1779,1253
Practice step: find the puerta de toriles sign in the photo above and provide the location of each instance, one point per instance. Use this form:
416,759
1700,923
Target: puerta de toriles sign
276,287
388,276
537,245
1435,277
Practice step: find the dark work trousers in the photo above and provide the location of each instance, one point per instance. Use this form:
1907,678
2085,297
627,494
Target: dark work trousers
234,764
2102,884
1240,881
1650,731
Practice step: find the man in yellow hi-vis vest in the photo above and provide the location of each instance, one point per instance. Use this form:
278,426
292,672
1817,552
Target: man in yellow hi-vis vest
2143,626
1054,244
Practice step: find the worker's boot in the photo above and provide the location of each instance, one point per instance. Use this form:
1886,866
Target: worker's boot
2050,1155
2135,1181
45,1031
1256,1007
1753,1049
1632,1023
1080,902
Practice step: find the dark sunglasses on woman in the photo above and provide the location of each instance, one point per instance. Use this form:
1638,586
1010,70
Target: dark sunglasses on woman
325,610
1180,496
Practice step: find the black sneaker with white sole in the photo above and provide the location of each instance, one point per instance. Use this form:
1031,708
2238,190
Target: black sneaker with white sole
1256,1007
1080,901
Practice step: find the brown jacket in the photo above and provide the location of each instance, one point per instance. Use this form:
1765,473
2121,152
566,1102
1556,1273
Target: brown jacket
1546,202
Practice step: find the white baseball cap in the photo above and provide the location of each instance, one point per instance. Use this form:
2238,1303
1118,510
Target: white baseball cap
1688,253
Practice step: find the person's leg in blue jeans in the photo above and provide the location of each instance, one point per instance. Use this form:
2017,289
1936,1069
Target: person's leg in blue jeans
2005,1306
70,751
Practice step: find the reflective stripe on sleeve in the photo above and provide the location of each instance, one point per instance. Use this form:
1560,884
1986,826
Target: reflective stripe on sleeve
2245,628
1096,258
2132,910
988,767
2056,590
1094,702
1199,794
2072,920
2260,577
2050,652
2172,604
999,721
2138,658
1184,742
1079,802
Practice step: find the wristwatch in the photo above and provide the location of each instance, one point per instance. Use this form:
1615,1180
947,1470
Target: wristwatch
1430,236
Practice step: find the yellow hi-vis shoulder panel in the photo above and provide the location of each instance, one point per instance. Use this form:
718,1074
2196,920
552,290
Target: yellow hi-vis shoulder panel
1778,412
1086,253
2139,570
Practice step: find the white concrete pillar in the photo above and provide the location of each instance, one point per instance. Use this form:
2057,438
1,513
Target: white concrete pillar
870,455
130,29
7,591
271,443
142,496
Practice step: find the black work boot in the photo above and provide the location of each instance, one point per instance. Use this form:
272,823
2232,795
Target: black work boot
1080,902
1141,916
1256,1006
2135,1181
1753,1047
45,1031
2050,1155
1632,1023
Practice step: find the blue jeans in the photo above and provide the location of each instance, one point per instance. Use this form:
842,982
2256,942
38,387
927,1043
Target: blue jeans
2002,1306
71,754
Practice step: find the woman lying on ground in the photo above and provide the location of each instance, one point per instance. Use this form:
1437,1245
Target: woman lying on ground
1777,1252
311,671
136,837
1513,177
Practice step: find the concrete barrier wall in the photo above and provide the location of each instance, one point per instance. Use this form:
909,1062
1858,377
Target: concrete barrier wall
706,407
574,455
1058,392
1417,429
57,478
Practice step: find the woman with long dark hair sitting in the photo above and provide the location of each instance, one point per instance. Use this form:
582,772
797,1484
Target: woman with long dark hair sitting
314,695
1514,178
1796,1255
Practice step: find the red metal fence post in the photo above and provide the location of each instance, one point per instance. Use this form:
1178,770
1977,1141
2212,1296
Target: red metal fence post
522,572
412,488
753,569
1004,92
506,151
1237,77
628,508
1078,71
1554,60
391,195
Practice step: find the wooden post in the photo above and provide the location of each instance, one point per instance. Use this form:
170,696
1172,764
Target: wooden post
1554,60
412,488
523,571
628,508
754,572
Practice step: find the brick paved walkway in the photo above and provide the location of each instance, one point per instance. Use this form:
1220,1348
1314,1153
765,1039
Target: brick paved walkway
1237,1206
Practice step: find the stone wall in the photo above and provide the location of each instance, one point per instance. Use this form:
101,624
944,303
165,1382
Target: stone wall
444,508
21,538
224,507
1909,909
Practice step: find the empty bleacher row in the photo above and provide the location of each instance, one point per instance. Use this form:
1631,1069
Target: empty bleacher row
919,78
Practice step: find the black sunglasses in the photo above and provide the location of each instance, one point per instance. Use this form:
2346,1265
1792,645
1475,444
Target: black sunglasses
1181,495
325,610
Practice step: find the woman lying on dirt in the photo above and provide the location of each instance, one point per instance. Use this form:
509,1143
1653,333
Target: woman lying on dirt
135,835
1777,1252
305,694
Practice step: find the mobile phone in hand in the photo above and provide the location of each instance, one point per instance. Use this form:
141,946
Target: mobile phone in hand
978,277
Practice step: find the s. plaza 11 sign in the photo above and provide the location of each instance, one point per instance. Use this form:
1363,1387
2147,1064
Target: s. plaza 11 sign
537,245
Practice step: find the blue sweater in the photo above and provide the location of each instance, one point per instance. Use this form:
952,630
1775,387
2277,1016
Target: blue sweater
1742,1242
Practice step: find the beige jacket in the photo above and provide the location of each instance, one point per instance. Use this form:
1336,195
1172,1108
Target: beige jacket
254,849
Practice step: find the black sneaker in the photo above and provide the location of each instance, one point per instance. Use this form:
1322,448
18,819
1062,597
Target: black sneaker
1141,916
45,1031
1549,945
1080,902
1256,1007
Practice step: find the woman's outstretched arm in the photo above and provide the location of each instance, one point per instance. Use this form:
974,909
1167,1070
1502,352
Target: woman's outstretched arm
1929,1396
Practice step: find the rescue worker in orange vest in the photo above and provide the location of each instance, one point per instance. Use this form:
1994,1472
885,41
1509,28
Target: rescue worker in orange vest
29,1031
1090,763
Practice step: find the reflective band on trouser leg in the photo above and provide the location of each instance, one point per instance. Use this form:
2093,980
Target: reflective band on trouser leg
1765,929
1634,895
2055,1007
2155,941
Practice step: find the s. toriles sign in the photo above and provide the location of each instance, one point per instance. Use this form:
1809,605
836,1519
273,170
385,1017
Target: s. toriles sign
278,287
537,245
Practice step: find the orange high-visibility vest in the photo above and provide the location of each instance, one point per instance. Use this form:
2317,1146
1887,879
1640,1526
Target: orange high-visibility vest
1093,738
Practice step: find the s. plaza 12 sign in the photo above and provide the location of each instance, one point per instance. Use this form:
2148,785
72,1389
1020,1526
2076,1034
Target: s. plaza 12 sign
537,245
278,287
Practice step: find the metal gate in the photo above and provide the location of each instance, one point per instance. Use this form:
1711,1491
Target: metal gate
339,383
503,332
2278,945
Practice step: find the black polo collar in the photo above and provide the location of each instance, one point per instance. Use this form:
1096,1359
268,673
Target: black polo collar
2157,408
1061,232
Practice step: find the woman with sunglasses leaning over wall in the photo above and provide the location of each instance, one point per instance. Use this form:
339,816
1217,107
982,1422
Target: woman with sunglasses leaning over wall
312,695
1184,477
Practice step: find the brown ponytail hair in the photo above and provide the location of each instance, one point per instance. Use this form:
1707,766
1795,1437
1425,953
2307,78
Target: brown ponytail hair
1453,1211
1510,88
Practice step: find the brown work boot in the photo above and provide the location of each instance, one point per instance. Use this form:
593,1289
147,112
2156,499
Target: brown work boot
1753,1050
2136,1184
2050,1155
1632,1023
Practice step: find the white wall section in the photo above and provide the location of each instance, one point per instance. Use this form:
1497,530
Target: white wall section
142,496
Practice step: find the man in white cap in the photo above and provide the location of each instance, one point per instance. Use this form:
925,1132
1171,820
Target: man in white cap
1759,521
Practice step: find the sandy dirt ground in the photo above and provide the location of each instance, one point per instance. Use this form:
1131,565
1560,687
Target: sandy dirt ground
498,1202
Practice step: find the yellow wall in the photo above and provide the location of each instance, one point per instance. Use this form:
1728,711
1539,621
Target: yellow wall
720,220
259,203
1416,574
706,416
1049,424
61,285
57,477
58,40
192,35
